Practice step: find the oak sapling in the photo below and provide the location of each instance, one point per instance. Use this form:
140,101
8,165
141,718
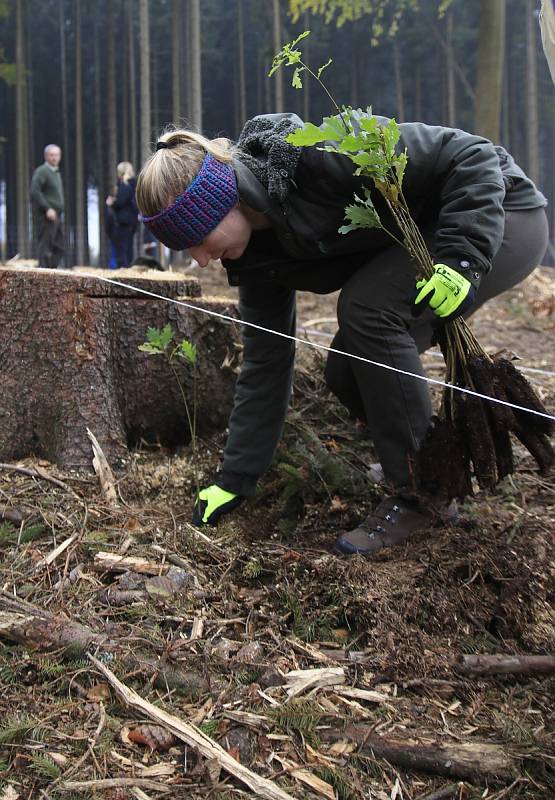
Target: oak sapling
159,342
373,149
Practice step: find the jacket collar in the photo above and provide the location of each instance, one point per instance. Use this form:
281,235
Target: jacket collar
255,195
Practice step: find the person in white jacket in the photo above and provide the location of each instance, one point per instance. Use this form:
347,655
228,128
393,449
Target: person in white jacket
547,25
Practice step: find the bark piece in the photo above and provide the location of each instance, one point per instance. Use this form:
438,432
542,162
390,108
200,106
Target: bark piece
471,761
70,360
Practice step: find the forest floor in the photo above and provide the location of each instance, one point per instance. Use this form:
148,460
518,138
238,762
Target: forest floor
325,676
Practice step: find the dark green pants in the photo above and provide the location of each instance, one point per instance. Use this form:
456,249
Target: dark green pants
51,242
375,321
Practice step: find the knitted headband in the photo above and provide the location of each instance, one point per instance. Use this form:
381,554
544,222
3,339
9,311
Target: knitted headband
198,210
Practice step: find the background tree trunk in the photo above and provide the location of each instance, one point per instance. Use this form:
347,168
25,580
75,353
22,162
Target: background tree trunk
144,50
176,24
103,258
196,66
241,65
124,127
21,140
491,53
531,94
81,238
66,149
278,76
132,83
400,103
450,71
70,360
111,108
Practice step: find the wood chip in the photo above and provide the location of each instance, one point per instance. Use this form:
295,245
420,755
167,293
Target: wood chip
304,776
302,680
53,555
102,469
111,562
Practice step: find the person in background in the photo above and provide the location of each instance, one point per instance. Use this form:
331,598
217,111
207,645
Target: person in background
47,195
272,212
547,24
125,214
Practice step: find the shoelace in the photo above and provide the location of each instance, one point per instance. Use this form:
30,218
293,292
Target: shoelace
387,518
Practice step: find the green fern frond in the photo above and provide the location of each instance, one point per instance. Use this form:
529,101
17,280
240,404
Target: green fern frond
7,532
32,532
45,767
52,669
9,535
16,729
8,674
248,677
298,716
343,789
252,568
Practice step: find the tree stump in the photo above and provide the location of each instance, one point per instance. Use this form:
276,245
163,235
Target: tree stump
69,361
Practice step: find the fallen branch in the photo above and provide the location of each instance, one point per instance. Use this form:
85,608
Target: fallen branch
111,562
40,630
112,783
475,762
193,737
38,473
506,665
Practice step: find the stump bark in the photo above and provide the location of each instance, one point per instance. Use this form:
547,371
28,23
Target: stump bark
69,361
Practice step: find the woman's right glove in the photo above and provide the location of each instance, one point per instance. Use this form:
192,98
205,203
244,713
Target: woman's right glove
212,503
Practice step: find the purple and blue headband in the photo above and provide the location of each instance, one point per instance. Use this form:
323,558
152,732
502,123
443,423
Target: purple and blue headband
198,210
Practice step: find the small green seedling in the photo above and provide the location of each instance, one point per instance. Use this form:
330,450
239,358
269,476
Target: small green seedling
372,147
160,342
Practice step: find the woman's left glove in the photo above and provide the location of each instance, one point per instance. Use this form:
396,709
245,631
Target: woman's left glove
212,503
447,292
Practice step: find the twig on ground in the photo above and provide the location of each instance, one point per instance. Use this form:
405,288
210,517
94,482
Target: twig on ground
194,737
39,473
506,664
112,783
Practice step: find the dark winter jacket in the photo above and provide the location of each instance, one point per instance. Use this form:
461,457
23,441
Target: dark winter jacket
455,181
124,205
46,189
457,185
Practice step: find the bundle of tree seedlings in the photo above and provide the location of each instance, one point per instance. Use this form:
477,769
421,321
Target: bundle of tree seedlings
471,434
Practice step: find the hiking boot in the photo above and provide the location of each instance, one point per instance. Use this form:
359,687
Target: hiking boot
394,520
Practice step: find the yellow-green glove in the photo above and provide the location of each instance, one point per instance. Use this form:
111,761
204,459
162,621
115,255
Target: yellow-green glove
447,292
212,503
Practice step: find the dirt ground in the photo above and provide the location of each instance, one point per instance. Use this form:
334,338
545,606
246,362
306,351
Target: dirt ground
214,627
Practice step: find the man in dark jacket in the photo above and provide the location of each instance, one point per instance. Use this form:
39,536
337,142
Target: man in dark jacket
47,194
272,213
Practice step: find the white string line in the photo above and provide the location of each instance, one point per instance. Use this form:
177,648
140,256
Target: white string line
320,346
328,335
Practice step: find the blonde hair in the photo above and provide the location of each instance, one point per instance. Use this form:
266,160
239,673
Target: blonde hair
169,171
125,171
